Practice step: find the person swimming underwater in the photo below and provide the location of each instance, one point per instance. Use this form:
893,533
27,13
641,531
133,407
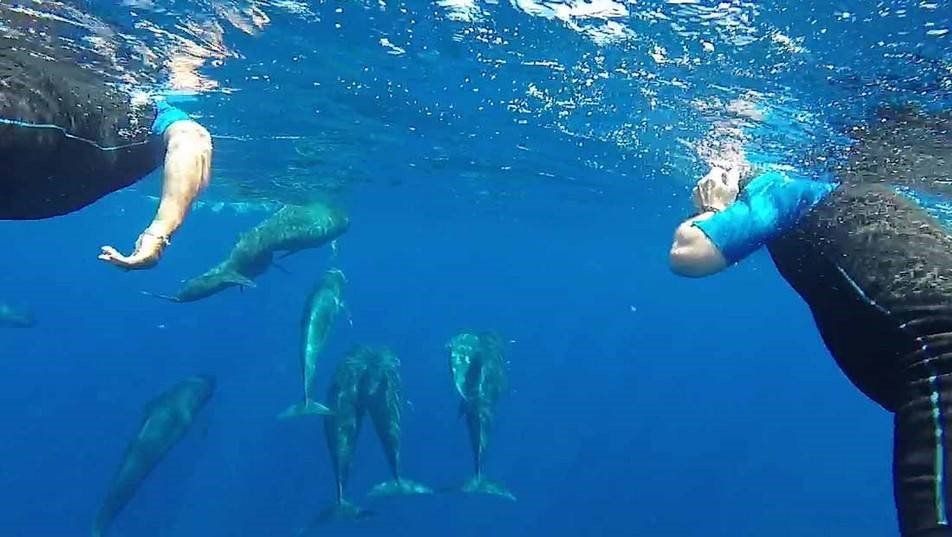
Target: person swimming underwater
68,138
870,253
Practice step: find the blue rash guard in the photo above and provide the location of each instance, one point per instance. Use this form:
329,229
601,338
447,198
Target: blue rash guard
166,116
771,203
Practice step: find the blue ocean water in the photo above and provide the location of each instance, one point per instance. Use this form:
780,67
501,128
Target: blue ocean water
518,167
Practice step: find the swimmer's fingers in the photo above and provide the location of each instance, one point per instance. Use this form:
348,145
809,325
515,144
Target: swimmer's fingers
145,256
716,174
704,185
696,197
731,179
716,190
112,256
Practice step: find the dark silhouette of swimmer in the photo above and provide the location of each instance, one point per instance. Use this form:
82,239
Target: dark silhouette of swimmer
867,249
68,138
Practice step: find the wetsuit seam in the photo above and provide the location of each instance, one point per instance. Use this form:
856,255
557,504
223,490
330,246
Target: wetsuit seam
66,133
941,504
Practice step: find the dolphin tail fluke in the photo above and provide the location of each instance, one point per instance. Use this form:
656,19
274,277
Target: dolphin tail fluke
481,485
342,511
305,408
399,487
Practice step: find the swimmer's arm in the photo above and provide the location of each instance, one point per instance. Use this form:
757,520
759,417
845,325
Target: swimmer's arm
772,203
693,254
186,173
188,161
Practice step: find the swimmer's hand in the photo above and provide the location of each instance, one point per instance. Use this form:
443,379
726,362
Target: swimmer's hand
716,190
148,250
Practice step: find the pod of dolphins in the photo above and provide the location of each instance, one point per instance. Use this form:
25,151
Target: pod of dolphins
366,381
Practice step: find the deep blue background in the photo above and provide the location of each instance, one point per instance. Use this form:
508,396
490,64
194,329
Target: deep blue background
509,173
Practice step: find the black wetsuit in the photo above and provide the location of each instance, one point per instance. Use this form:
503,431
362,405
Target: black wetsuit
876,271
66,137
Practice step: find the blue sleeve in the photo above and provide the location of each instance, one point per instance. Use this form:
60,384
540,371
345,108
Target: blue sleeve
166,115
772,203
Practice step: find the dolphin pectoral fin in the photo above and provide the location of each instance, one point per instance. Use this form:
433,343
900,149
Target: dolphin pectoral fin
401,487
305,408
170,298
481,485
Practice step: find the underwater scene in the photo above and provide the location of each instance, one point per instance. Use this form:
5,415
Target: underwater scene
476,268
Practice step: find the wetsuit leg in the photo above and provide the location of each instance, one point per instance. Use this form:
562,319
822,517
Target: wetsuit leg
922,457
879,286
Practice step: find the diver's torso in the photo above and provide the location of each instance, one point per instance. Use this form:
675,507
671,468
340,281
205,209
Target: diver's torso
67,138
876,271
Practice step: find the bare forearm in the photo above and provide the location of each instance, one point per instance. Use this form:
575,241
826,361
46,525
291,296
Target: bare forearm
186,173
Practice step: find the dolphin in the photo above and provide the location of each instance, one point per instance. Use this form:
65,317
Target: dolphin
323,305
383,398
341,429
9,316
289,230
479,375
166,420
219,278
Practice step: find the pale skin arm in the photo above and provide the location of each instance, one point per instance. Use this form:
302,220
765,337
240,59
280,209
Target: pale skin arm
186,173
692,254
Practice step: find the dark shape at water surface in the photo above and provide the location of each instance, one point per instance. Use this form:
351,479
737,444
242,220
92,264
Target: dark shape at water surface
167,418
479,375
292,229
15,318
